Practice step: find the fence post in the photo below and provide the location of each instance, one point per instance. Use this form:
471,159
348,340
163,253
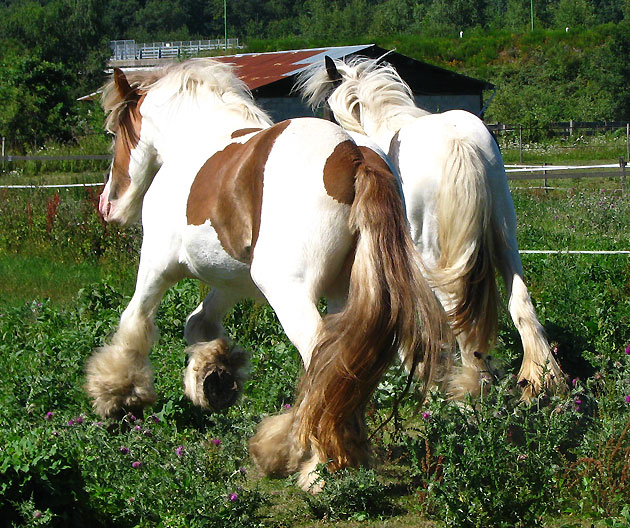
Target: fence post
570,127
2,153
622,166
628,141
545,183
520,143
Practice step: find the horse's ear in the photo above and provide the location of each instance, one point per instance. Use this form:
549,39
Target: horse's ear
122,84
333,72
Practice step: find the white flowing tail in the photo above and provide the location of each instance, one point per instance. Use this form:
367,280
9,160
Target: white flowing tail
466,269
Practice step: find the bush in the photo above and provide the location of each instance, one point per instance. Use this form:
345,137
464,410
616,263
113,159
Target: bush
495,463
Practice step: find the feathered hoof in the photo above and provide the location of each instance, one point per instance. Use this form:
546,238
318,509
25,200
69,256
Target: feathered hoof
533,379
215,374
119,382
273,448
309,479
465,381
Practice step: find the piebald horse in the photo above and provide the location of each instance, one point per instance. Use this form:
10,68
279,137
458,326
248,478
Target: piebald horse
291,213
459,208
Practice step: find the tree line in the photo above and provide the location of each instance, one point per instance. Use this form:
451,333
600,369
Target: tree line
53,51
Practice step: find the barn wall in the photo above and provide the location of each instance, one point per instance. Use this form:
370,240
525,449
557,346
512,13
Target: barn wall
442,103
281,108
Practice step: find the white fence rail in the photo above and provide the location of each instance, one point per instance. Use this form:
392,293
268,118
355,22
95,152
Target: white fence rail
132,50
514,172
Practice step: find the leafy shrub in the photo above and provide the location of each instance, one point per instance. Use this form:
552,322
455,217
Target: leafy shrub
495,463
349,494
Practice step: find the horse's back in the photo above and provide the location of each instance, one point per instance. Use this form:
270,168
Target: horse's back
279,197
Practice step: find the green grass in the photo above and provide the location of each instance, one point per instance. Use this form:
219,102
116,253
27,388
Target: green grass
498,463
46,276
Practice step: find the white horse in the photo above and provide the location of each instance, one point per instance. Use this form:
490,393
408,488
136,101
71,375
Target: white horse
459,207
291,212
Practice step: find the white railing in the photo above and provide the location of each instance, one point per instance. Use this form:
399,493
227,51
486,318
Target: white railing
132,50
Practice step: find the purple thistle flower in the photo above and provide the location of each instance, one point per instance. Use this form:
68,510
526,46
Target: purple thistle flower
179,451
136,464
243,471
71,422
124,450
78,420
233,497
37,514
574,381
138,428
627,398
628,349
216,441
155,419
148,433
131,417
48,416
426,415
287,406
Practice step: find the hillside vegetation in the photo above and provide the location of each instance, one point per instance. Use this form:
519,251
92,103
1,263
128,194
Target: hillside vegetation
572,65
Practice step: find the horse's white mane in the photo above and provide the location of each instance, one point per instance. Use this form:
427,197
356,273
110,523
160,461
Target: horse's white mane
368,87
197,77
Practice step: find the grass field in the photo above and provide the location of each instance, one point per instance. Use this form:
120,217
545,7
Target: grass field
562,461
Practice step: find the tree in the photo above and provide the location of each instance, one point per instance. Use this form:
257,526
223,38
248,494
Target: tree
611,67
44,67
572,13
36,104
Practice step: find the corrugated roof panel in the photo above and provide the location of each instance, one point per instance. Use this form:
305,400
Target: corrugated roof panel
260,69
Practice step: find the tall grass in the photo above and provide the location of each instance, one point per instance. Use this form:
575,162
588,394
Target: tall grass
562,460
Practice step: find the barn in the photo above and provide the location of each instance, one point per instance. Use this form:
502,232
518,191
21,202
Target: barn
271,77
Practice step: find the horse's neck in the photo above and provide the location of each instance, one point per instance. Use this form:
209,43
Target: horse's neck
383,126
197,131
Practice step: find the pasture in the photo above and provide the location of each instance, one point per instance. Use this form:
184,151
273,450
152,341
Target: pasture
561,461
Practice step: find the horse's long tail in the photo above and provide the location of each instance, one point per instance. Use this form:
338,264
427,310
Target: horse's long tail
466,237
390,307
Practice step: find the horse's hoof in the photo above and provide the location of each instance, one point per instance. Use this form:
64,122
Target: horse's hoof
220,388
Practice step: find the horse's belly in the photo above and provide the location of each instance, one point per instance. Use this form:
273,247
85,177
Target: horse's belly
204,256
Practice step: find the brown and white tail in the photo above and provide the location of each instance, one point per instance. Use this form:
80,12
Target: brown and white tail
390,308
465,273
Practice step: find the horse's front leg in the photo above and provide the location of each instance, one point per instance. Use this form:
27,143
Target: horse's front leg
119,374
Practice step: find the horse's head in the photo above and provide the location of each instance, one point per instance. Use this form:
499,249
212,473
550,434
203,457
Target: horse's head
135,161
363,95
334,88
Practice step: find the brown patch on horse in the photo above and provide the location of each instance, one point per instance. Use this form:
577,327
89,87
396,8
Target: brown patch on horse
228,191
244,132
373,159
340,170
127,138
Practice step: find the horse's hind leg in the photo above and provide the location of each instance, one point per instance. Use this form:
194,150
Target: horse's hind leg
206,322
119,375
538,367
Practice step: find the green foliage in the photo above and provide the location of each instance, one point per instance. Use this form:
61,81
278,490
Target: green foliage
495,462
36,99
67,221
354,494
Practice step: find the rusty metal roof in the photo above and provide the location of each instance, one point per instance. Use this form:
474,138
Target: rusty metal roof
261,69
273,74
